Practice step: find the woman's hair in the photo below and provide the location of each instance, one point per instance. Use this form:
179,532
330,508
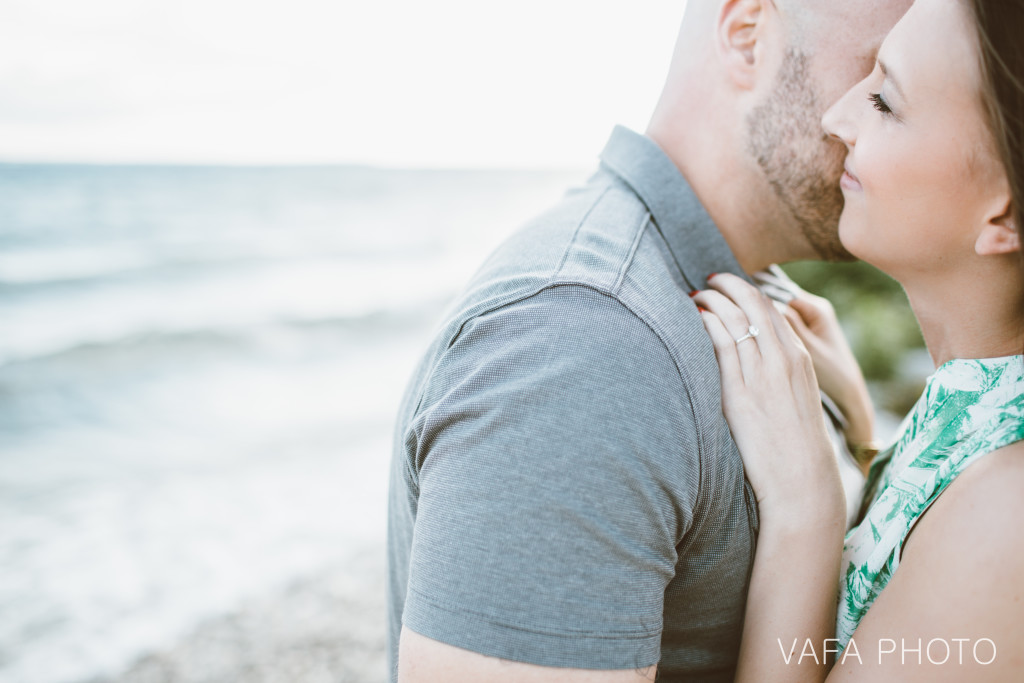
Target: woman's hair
1000,27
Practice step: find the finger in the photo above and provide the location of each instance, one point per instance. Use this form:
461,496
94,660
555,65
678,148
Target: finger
736,323
725,351
798,324
804,309
795,288
747,297
731,315
755,306
792,329
810,307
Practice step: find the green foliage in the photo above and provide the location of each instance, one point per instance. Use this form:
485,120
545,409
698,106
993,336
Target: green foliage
872,309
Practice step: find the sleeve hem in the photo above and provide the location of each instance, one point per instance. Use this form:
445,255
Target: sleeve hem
487,636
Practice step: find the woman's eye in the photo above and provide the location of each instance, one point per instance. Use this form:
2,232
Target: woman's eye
880,104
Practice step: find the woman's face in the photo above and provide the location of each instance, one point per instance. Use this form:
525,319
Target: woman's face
922,174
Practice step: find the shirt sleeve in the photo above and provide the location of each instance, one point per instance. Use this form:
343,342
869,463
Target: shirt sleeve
556,462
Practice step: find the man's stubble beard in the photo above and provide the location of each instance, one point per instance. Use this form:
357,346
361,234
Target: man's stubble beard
803,167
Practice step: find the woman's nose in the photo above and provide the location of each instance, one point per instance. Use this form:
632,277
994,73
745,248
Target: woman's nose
838,120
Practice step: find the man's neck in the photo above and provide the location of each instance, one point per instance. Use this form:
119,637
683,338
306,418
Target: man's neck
738,199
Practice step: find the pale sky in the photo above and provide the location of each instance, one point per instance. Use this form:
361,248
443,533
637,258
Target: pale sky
394,83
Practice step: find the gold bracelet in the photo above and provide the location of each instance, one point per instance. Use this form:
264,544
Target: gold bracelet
864,453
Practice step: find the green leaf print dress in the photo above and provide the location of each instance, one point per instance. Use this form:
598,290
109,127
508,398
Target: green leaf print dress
968,408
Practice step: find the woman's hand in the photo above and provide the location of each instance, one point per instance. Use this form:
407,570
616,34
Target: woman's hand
771,400
839,375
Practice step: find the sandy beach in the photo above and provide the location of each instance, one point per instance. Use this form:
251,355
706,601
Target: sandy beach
328,628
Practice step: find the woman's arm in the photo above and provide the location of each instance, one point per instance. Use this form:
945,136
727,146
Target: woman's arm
791,606
954,609
839,375
959,588
770,398
422,660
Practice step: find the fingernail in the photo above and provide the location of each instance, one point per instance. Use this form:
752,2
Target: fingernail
694,293
712,275
701,309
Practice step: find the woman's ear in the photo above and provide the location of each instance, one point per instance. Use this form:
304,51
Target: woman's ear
1001,234
738,32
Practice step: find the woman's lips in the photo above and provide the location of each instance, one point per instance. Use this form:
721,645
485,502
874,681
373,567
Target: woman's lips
849,181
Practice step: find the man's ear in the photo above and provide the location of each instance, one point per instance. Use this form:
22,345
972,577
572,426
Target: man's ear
740,27
1001,233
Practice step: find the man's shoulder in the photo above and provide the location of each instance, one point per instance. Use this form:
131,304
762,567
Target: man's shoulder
587,238
567,378
563,335
601,238
586,298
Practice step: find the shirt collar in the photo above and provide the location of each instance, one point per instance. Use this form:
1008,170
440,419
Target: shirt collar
695,242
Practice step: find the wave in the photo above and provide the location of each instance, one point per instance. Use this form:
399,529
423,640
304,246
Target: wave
363,329
223,302
42,265
30,267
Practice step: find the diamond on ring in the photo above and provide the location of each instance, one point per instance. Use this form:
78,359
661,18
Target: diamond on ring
751,333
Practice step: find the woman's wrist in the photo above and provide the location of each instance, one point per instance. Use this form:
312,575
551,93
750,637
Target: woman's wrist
859,412
819,521
860,431
813,507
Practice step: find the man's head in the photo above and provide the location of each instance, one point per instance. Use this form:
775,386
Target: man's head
741,115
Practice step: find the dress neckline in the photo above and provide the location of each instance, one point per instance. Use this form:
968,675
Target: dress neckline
974,374
954,364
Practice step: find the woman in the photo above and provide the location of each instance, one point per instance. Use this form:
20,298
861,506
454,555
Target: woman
934,190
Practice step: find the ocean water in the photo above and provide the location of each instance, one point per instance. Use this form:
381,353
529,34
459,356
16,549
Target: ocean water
199,370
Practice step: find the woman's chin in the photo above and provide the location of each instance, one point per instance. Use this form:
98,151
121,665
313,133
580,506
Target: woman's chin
869,249
852,237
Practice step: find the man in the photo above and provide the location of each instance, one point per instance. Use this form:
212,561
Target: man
566,502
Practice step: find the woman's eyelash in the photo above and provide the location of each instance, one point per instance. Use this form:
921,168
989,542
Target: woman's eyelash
880,104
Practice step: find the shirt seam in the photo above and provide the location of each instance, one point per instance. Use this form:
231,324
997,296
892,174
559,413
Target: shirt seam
631,254
579,226
564,633
552,278
622,175
684,377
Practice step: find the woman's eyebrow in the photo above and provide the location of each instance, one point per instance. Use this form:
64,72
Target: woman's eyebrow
888,74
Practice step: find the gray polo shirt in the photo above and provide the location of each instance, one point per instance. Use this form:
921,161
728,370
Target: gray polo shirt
564,489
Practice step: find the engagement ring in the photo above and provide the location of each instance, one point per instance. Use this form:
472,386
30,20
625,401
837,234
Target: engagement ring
751,333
